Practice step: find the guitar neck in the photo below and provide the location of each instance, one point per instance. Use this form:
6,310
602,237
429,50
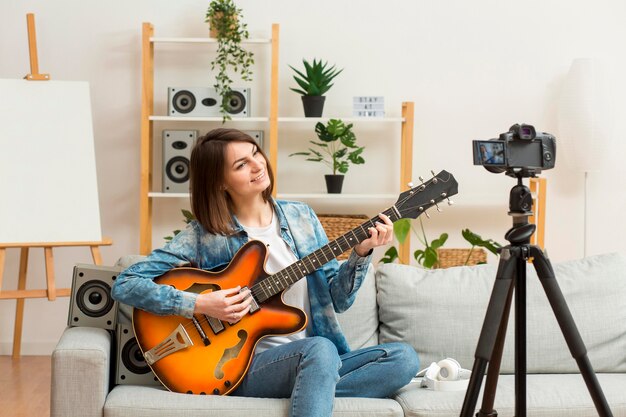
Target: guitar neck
276,283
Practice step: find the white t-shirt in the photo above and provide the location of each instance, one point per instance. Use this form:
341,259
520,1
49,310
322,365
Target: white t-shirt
279,257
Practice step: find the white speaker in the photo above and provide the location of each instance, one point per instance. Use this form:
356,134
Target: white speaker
91,303
205,102
131,367
177,146
445,375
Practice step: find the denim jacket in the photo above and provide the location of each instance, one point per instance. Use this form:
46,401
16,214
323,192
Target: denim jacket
332,288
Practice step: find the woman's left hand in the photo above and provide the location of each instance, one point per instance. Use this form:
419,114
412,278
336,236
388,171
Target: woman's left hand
380,235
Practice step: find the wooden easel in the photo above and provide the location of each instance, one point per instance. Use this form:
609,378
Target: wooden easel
32,49
51,292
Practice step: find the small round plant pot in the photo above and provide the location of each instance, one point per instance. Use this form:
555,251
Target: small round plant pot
313,105
334,183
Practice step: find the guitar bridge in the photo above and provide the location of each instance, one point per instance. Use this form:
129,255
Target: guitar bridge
177,340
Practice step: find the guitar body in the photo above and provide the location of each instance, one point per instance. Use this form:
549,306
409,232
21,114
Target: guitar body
219,366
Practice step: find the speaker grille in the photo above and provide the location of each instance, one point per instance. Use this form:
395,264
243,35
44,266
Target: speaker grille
184,101
236,103
177,169
94,298
133,359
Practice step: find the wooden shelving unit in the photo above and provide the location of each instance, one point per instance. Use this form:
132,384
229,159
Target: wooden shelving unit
146,192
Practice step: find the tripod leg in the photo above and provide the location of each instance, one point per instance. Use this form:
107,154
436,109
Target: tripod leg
507,269
493,372
568,328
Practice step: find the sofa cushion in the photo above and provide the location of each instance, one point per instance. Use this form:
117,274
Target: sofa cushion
360,322
440,313
554,395
129,400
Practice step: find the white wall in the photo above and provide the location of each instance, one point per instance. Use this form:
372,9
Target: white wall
472,69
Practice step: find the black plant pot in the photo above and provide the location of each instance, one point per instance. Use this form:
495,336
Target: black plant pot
334,183
313,105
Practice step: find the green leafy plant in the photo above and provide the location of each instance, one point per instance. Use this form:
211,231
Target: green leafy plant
316,79
188,217
428,256
336,141
226,19
475,240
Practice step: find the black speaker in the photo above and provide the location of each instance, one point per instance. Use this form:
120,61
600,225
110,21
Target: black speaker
91,303
205,102
131,367
177,145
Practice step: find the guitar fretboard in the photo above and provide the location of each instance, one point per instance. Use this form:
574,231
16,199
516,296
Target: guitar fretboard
282,279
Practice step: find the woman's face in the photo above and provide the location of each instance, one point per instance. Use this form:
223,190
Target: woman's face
246,170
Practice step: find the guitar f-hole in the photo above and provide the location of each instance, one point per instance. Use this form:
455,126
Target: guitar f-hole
230,353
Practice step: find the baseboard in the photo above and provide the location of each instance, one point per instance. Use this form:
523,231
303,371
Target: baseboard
29,349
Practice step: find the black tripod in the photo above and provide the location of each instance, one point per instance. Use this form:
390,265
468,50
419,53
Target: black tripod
512,275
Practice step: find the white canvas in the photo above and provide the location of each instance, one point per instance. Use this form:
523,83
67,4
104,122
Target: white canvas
48,184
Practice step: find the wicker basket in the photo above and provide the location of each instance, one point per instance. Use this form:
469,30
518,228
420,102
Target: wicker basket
457,257
336,225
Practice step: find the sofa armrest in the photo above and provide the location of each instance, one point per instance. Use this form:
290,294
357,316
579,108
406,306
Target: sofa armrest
80,373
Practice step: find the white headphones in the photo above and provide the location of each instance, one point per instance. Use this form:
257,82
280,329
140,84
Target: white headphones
445,375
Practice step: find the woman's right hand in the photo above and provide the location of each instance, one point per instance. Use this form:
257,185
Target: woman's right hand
227,305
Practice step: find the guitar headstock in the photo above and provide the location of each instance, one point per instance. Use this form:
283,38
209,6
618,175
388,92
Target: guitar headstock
418,199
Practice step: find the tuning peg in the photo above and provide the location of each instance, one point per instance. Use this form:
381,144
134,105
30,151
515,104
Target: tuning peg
421,179
410,185
450,202
435,180
426,213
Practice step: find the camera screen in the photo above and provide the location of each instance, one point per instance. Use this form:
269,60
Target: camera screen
525,154
489,152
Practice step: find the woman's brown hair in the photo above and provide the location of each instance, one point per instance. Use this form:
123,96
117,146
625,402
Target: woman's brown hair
210,203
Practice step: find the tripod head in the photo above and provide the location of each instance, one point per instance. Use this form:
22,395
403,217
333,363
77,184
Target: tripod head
520,208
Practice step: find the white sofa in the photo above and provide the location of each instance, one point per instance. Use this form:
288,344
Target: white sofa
440,313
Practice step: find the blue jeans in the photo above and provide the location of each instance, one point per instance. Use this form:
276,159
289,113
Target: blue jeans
312,373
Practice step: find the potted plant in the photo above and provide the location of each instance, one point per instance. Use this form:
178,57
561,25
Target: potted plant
314,82
225,21
337,149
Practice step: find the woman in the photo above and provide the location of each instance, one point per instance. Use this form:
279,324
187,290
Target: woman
231,187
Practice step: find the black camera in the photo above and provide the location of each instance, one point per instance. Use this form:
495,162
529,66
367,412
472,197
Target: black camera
519,152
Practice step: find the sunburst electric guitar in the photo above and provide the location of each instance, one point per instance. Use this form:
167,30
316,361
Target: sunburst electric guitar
204,355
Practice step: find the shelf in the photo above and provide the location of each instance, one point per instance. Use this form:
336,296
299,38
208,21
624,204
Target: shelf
459,202
342,196
206,40
306,196
168,195
206,119
345,119
280,119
